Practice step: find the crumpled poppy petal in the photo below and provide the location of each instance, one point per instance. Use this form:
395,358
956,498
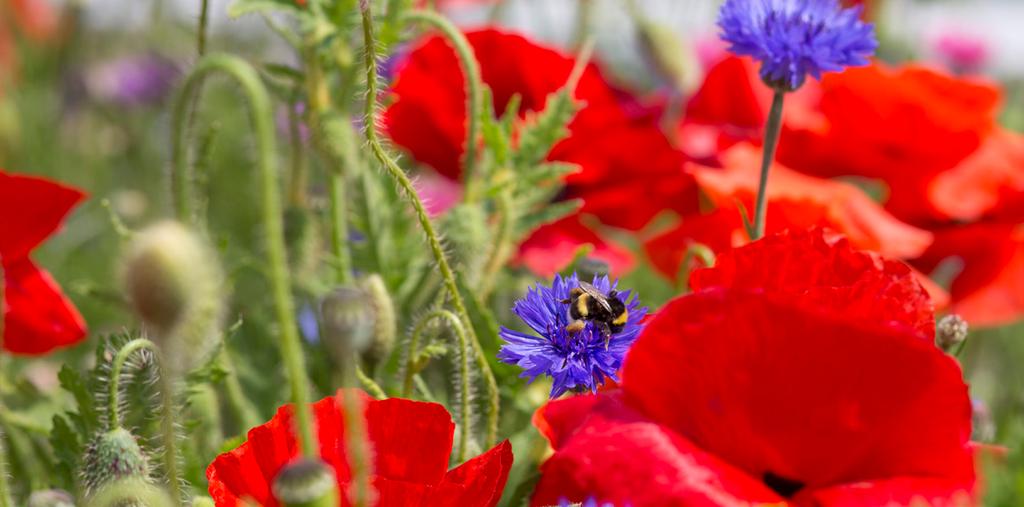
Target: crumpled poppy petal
38,317
412,439
840,206
988,182
611,453
31,208
787,364
479,481
820,269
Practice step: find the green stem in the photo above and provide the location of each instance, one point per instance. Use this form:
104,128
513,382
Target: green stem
474,94
693,251
502,242
318,101
204,20
771,141
585,18
241,408
5,487
403,181
169,435
463,347
370,385
299,175
263,126
356,444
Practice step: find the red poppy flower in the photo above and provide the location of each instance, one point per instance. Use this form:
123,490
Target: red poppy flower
622,153
36,19
988,183
554,246
411,443
989,289
37,316
820,267
733,396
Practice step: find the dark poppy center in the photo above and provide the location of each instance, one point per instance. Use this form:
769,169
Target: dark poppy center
781,485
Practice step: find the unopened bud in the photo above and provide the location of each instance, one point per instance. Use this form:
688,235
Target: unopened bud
950,332
303,240
51,498
306,483
468,238
384,322
588,268
347,322
174,282
669,55
110,457
202,501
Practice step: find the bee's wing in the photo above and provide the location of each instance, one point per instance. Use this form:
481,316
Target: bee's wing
596,295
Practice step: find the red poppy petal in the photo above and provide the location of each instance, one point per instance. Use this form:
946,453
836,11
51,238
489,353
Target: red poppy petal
38,317
815,267
32,208
786,366
898,492
479,481
614,455
551,248
412,439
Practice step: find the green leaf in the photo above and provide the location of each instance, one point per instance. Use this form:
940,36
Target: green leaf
544,129
243,7
480,316
66,449
547,214
72,382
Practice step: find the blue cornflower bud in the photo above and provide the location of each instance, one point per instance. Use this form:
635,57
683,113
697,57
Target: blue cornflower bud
576,359
794,38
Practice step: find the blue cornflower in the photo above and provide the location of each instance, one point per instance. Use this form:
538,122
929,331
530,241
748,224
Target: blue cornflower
575,361
794,38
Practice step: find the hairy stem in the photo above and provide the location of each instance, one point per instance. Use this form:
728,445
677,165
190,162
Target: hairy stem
262,123
169,436
462,344
5,487
204,20
370,385
771,142
360,489
433,240
474,94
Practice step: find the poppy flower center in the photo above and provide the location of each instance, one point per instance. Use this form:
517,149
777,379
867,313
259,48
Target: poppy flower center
785,487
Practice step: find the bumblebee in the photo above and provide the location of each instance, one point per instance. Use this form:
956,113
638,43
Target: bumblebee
587,303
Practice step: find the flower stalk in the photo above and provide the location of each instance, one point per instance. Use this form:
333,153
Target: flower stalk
167,425
399,176
773,129
5,487
262,123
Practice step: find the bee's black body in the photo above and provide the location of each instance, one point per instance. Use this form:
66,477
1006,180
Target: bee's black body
586,303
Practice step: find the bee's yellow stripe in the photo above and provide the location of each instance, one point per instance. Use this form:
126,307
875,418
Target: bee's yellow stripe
581,304
621,319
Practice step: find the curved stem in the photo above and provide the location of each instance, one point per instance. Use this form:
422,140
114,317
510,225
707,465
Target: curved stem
5,488
370,385
474,93
771,142
170,441
502,241
463,346
403,181
241,408
204,20
263,126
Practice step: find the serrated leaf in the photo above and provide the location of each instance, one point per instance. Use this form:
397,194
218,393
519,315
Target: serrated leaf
243,7
66,449
543,130
546,171
72,382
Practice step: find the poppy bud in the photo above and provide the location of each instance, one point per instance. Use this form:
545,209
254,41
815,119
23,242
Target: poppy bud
668,54
51,498
588,268
468,239
302,238
110,457
174,282
347,322
950,332
384,323
306,483
202,501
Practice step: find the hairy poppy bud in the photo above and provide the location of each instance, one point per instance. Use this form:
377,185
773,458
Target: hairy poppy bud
950,332
306,483
303,240
384,323
202,501
588,268
174,283
347,321
468,238
51,498
110,457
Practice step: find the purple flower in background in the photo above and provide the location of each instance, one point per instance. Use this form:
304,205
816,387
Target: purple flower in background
794,38
966,54
133,80
576,361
